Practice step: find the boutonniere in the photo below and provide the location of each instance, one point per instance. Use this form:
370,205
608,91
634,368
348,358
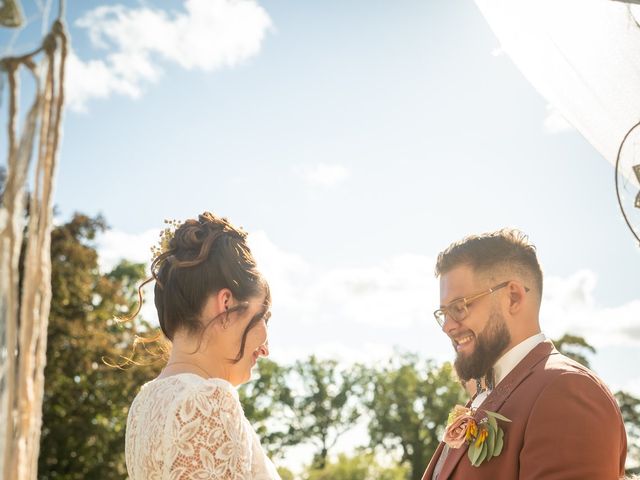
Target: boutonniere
485,437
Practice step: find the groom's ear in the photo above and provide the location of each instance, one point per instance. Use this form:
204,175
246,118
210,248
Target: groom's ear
516,292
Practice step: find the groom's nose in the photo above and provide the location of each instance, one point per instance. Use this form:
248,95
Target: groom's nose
450,325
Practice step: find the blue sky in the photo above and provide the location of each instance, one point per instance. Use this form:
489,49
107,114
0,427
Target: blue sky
355,140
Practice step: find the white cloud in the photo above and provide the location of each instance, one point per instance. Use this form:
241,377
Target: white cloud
369,353
569,306
389,294
114,246
208,35
632,386
554,122
323,175
361,313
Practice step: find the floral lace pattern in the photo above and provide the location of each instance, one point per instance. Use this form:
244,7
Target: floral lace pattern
185,427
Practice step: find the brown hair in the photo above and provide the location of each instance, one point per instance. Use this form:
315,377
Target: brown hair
202,257
508,249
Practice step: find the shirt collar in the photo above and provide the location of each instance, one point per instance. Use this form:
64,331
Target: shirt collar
513,357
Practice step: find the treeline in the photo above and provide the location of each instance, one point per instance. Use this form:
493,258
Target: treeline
404,402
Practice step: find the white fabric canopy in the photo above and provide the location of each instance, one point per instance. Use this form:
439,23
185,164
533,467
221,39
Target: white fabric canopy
583,56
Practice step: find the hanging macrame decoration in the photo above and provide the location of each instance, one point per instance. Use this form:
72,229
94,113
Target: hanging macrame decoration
25,281
11,13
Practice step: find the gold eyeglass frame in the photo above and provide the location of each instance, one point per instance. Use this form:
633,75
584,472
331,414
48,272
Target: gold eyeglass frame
441,313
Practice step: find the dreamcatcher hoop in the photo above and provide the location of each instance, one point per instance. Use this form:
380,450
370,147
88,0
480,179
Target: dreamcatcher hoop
617,173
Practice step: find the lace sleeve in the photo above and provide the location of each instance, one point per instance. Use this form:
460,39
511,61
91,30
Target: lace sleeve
209,439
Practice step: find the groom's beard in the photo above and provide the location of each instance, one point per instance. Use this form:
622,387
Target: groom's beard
490,344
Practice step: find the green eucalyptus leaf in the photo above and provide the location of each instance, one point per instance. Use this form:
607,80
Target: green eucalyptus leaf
483,454
493,423
490,442
473,453
499,443
498,416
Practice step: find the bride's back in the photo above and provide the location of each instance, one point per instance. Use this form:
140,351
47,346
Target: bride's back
185,426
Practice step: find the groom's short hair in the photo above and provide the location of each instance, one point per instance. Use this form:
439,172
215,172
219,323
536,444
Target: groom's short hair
490,253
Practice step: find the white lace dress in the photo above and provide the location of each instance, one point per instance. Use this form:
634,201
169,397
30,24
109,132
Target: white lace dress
187,427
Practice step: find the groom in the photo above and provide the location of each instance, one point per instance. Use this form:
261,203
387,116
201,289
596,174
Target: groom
564,422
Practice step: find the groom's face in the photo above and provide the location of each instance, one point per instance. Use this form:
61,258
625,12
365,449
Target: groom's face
480,339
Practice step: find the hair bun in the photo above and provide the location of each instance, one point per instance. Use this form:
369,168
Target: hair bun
192,235
220,225
187,236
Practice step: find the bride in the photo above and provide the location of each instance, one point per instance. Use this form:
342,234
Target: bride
213,306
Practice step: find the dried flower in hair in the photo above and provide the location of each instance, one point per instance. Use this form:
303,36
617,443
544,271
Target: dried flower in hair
166,235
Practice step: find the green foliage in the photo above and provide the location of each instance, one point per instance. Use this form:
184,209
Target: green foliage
409,405
285,473
492,445
325,403
267,401
359,467
630,409
85,401
575,347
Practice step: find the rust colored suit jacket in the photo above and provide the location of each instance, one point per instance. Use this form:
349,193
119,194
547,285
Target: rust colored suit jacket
565,425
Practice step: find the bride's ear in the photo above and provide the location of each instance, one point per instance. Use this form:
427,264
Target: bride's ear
224,299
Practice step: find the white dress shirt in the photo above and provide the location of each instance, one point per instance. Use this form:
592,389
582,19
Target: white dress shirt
508,362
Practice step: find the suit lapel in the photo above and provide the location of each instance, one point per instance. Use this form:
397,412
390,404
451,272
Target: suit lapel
498,396
428,474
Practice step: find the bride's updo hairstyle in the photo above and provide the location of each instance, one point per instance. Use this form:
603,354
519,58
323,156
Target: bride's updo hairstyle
200,258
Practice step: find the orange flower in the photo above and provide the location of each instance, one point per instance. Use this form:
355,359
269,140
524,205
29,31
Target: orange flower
482,436
472,430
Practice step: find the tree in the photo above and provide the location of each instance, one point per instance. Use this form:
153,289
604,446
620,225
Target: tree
267,402
325,403
575,347
409,404
82,394
359,467
630,409
285,473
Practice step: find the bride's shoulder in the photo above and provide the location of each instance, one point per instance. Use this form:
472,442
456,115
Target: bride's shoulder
206,393
190,393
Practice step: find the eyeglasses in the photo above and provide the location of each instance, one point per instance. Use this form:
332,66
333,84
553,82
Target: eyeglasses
458,310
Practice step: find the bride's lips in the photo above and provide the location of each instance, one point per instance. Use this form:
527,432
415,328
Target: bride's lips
262,350
254,357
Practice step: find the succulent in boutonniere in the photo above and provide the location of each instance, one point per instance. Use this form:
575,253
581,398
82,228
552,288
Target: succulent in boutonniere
485,437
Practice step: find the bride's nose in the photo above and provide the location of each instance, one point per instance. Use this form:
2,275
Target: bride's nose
264,349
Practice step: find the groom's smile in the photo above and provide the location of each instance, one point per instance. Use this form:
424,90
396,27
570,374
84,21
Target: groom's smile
477,329
463,343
